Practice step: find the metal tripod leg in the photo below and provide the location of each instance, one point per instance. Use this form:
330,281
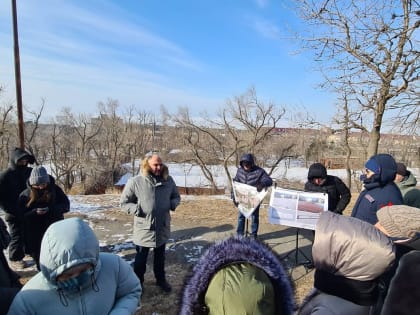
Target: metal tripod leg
296,252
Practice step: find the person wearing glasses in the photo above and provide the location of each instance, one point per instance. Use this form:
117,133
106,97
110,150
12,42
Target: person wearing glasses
41,204
379,188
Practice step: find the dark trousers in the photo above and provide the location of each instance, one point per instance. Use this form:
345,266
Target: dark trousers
140,262
16,252
255,217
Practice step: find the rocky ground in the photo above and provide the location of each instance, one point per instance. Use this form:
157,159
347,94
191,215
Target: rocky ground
196,223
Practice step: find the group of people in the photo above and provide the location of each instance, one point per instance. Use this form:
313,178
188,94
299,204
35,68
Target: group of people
75,278
31,202
360,261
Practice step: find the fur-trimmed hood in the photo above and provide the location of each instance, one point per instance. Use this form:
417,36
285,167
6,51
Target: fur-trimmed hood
230,251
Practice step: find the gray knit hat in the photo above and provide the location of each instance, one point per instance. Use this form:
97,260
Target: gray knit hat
39,176
400,220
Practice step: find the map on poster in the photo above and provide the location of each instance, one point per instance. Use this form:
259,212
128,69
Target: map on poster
296,208
248,197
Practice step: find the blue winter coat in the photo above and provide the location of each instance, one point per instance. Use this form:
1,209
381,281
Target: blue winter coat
114,288
379,191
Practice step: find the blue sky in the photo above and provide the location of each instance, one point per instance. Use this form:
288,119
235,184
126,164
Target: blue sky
147,53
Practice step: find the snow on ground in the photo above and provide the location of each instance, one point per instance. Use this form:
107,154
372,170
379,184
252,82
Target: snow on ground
188,175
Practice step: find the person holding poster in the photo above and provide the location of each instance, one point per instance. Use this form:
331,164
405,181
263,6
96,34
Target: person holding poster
250,174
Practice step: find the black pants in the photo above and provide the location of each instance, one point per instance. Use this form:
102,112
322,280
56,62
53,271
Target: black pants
140,262
15,224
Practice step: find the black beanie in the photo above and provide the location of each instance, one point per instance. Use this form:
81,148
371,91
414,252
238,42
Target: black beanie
317,170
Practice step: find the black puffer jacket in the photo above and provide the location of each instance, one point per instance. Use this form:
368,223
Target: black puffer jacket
338,193
256,176
13,181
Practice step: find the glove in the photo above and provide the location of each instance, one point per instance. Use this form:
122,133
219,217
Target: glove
235,203
259,187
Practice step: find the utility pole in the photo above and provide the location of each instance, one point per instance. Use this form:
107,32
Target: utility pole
17,77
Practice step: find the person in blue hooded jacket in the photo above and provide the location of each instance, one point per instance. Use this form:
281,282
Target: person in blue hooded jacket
379,188
75,278
252,175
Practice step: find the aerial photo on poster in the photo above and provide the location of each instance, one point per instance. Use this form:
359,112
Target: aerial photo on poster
296,208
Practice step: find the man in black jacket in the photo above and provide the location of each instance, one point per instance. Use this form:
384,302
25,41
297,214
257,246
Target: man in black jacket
338,193
12,183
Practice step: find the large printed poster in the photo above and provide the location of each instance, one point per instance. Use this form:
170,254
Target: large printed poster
248,197
296,208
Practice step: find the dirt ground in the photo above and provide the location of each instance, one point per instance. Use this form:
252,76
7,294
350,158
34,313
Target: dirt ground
196,223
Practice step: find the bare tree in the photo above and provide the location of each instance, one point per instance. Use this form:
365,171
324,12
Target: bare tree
6,115
34,142
371,48
139,134
109,145
245,124
72,144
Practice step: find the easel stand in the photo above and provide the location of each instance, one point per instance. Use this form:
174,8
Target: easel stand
295,252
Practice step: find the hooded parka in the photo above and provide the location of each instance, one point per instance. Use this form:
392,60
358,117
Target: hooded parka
229,300
13,180
380,190
349,256
411,194
255,176
12,183
150,199
112,289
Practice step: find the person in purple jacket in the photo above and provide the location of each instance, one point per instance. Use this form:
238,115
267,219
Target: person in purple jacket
253,175
380,189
